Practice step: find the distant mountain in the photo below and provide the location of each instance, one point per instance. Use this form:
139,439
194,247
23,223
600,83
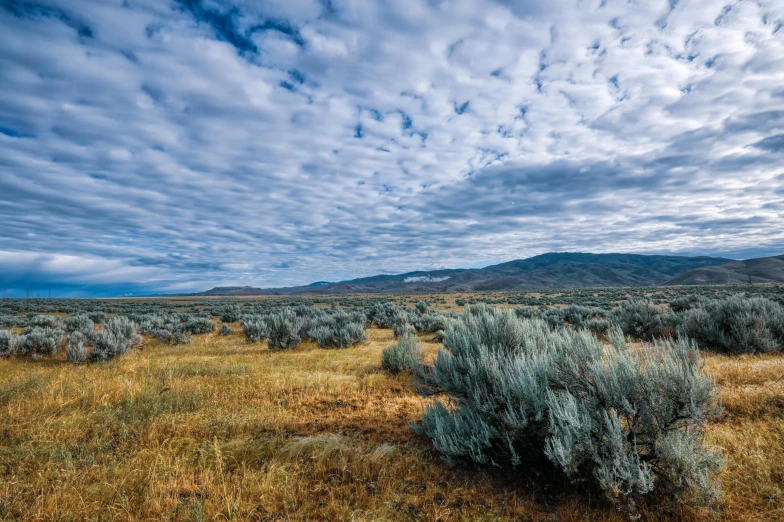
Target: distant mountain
760,270
553,270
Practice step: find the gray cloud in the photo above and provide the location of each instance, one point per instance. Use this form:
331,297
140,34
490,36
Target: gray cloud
152,146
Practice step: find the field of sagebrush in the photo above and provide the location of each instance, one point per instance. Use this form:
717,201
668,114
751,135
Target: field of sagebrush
224,429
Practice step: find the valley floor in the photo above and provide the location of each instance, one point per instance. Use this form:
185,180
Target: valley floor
225,430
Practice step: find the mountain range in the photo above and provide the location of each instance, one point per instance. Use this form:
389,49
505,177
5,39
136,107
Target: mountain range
552,270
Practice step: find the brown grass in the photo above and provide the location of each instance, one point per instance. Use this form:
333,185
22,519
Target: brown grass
225,430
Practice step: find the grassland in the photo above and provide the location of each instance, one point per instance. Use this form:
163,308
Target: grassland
226,430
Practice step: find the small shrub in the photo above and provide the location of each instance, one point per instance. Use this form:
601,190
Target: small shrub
225,330
283,328
199,325
174,334
78,322
383,315
118,336
430,322
255,328
45,321
599,327
350,334
230,314
683,303
10,344
402,356
75,351
736,325
639,318
98,317
402,329
626,421
323,335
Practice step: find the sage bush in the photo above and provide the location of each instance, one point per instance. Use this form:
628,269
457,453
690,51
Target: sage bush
514,393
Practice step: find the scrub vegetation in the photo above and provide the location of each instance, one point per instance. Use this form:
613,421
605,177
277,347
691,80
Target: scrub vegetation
662,403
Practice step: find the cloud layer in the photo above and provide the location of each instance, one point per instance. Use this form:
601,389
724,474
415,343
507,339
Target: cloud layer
150,146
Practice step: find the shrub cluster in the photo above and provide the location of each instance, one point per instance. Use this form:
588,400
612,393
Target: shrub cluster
736,324
337,329
287,327
518,393
169,328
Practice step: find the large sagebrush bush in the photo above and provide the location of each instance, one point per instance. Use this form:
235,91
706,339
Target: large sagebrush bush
283,327
402,356
118,336
736,324
518,393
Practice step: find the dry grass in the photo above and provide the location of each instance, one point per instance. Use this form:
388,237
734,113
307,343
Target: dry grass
221,429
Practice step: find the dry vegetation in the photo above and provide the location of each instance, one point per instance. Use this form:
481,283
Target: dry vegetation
222,429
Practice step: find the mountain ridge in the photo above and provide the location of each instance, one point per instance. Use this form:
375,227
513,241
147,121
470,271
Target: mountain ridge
550,270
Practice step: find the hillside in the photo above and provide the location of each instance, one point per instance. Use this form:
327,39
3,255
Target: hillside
760,270
552,270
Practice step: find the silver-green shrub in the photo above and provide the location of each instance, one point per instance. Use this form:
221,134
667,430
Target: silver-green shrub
230,314
255,328
78,322
10,344
350,334
40,341
402,356
627,421
283,326
118,336
199,325
75,351
640,318
45,321
401,329
736,324
383,315
225,330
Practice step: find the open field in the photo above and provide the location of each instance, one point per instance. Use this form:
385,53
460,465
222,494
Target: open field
226,430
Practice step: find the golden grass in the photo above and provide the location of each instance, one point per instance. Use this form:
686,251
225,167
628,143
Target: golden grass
225,430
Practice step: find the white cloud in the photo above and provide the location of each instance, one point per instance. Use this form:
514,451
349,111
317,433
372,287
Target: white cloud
341,145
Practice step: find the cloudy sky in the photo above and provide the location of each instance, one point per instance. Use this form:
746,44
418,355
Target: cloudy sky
165,146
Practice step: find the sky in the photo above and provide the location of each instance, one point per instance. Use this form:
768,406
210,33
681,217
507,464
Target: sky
151,146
